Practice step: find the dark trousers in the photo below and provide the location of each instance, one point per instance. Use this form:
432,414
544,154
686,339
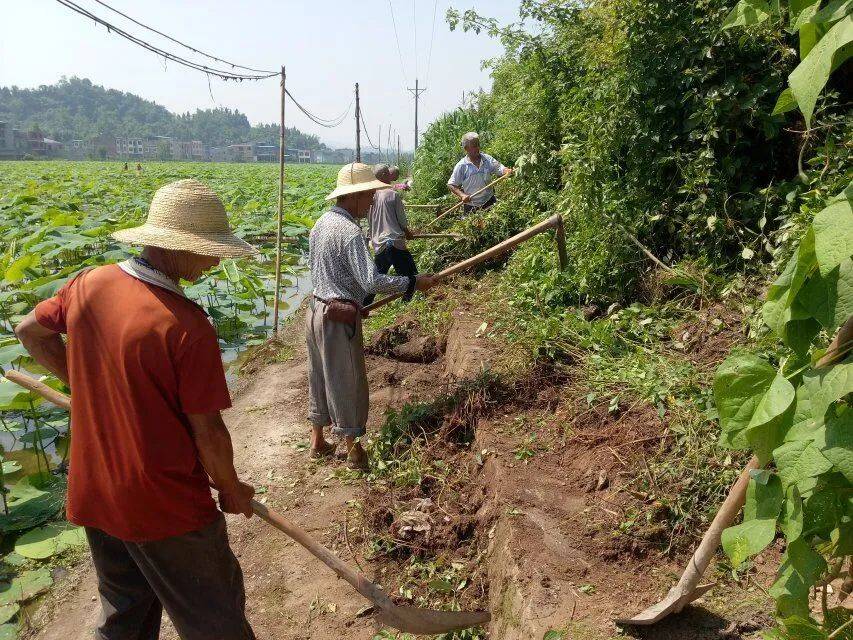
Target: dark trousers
402,261
194,576
488,204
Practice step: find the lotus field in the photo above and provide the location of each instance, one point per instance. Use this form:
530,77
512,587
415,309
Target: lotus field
55,219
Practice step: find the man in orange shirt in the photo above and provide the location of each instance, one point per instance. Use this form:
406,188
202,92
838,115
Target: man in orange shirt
148,385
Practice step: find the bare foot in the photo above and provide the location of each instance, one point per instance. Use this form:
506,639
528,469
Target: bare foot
357,457
322,449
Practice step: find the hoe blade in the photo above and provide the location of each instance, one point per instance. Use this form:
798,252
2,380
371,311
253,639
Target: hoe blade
429,622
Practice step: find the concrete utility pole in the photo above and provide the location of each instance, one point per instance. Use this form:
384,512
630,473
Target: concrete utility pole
282,150
357,126
416,92
398,150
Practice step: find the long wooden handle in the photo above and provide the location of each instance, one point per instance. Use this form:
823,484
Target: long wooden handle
555,221
476,193
364,586
36,386
453,236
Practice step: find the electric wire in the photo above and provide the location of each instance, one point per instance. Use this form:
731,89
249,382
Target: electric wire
197,66
366,130
183,44
329,123
397,39
415,27
431,39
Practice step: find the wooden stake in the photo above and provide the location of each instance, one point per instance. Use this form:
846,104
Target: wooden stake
357,126
551,223
281,153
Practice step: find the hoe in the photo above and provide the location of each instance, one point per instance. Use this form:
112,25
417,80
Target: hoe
408,619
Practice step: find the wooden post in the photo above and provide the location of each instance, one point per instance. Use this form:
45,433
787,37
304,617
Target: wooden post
281,152
357,126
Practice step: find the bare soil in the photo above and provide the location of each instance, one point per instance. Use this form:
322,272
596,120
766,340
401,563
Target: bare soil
543,535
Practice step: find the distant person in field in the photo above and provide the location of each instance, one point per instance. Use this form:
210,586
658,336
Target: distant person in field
473,172
125,167
389,230
139,167
344,275
148,387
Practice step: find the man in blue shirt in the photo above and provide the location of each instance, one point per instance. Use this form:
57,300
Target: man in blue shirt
473,172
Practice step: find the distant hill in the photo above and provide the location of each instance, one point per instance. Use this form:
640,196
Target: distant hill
77,109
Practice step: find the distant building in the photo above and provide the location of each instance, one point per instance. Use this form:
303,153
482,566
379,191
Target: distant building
130,148
8,150
242,152
265,152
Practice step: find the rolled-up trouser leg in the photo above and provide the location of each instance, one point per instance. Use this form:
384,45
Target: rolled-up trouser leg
199,582
318,409
341,349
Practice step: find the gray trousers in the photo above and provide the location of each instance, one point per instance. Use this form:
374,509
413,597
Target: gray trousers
194,576
337,376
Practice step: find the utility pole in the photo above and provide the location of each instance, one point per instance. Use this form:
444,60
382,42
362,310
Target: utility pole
380,143
417,93
357,126
281,153
398,150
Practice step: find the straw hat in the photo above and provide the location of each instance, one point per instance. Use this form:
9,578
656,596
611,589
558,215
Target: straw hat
356,177
187,215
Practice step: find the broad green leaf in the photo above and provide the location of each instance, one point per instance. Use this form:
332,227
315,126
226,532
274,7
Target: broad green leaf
826,385
14,397
833,228
766,429
11,466
801,567
8,631
839,443
791,518
746,13
16,271
764,497
745,540
804,17
832,12
553,635
821,510
830,298
12,353
231,271
31,502
8,611
785,102
26,586
797,628
799,460
811,75
50,540
739,387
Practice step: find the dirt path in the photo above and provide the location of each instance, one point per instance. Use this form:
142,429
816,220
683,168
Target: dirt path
290,594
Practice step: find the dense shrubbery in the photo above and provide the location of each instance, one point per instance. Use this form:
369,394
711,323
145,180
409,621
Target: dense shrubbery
645,113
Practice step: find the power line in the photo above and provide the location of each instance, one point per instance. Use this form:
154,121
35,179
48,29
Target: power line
415,26
329,123
366,130
397,38
431,39
183,44
197,66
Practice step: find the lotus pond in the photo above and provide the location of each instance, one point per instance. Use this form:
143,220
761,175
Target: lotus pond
55,219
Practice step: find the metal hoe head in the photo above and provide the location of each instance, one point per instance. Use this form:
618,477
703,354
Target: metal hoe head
429,622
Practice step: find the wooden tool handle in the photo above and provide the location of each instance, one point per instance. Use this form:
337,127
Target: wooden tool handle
364,586
476,193
38,387
554,221
361,584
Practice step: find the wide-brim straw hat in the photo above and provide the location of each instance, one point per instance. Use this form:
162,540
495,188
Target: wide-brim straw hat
354,178
187,215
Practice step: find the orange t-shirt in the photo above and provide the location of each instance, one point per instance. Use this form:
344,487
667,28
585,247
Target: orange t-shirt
139,359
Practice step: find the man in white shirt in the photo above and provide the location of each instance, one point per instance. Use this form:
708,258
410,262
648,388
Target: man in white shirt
473,172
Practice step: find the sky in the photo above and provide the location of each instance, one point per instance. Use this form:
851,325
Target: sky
326,48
